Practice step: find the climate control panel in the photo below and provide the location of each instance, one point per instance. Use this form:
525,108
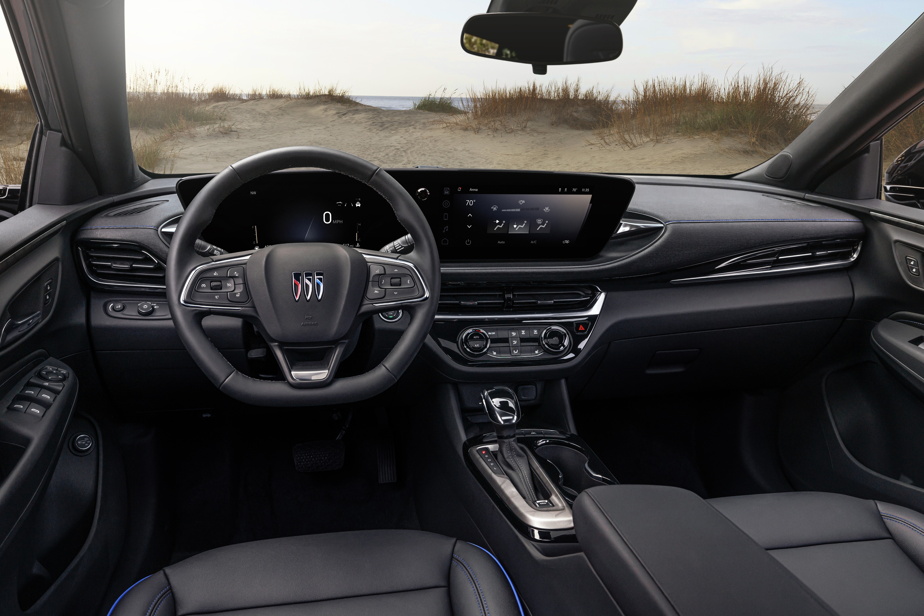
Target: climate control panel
513,342
517,341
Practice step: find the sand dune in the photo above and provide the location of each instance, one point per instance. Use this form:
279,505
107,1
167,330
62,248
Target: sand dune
393,138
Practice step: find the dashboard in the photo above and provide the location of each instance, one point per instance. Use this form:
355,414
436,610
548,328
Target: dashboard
474,215
675,291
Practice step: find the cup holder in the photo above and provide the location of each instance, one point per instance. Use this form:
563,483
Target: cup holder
571,468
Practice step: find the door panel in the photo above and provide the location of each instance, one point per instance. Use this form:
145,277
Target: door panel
55,555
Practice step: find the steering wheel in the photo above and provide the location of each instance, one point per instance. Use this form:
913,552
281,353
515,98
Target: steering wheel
306,299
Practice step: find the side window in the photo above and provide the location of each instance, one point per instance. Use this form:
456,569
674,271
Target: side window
903,159
17,121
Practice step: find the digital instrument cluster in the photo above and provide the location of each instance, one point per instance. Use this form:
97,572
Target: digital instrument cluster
474,215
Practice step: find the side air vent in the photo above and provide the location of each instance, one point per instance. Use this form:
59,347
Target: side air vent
134,208
120,265
484,299
827,254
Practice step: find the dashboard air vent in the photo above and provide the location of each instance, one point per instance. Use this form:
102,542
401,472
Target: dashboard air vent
484,299
134,208
831,252
472,299
794,258
552,297
120,264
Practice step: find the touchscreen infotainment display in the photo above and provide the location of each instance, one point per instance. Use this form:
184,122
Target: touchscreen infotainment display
488,218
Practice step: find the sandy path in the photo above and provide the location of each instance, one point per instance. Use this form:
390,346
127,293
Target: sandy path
409,138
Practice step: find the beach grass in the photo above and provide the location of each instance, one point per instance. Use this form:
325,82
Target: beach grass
160,101
765,111
512,108
438,101
17,122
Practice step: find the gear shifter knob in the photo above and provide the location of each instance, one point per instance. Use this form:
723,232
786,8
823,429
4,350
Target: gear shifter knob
503,409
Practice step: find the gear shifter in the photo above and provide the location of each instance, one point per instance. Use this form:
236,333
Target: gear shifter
503,409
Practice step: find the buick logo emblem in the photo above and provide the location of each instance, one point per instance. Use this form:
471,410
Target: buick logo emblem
307,283
297,285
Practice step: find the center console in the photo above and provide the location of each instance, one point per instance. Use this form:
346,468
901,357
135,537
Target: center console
534,475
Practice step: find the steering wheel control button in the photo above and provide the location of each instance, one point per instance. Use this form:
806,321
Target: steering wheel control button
239,295
397,294
555,339
82,444
475,342
236,272
145,308
215,272
376,270
210,298
374,292
391,316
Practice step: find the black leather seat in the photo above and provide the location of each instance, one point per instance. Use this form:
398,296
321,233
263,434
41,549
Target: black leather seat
662,550
860,556
367,572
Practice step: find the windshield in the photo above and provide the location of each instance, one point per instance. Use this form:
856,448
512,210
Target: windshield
710,87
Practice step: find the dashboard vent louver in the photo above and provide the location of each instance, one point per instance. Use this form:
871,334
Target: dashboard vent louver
808,255
791,259
473,298
134,208
120,264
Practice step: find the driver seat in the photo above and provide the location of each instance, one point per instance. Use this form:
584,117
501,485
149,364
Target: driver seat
381,572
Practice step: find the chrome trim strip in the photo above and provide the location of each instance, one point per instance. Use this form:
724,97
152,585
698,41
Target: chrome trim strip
120,285
768,271
636,226
593,311
901,222
386,261
309,376
168,226
184,294
558,518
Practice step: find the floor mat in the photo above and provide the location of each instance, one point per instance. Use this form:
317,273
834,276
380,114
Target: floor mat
236,481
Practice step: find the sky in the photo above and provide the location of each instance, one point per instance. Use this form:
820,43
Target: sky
411,47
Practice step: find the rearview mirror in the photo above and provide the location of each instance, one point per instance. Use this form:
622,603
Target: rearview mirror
904,179
541,39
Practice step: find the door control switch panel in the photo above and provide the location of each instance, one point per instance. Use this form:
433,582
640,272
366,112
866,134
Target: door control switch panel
38,391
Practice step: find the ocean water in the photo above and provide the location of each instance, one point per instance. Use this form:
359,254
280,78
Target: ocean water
399,102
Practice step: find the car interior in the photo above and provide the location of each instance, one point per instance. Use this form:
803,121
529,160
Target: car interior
523,392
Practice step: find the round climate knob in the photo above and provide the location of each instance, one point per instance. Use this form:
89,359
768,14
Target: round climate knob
475,341
555,339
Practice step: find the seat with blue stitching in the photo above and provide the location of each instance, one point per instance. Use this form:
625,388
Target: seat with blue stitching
381,572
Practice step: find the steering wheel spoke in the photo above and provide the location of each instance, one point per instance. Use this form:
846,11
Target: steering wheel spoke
311,366
394,282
